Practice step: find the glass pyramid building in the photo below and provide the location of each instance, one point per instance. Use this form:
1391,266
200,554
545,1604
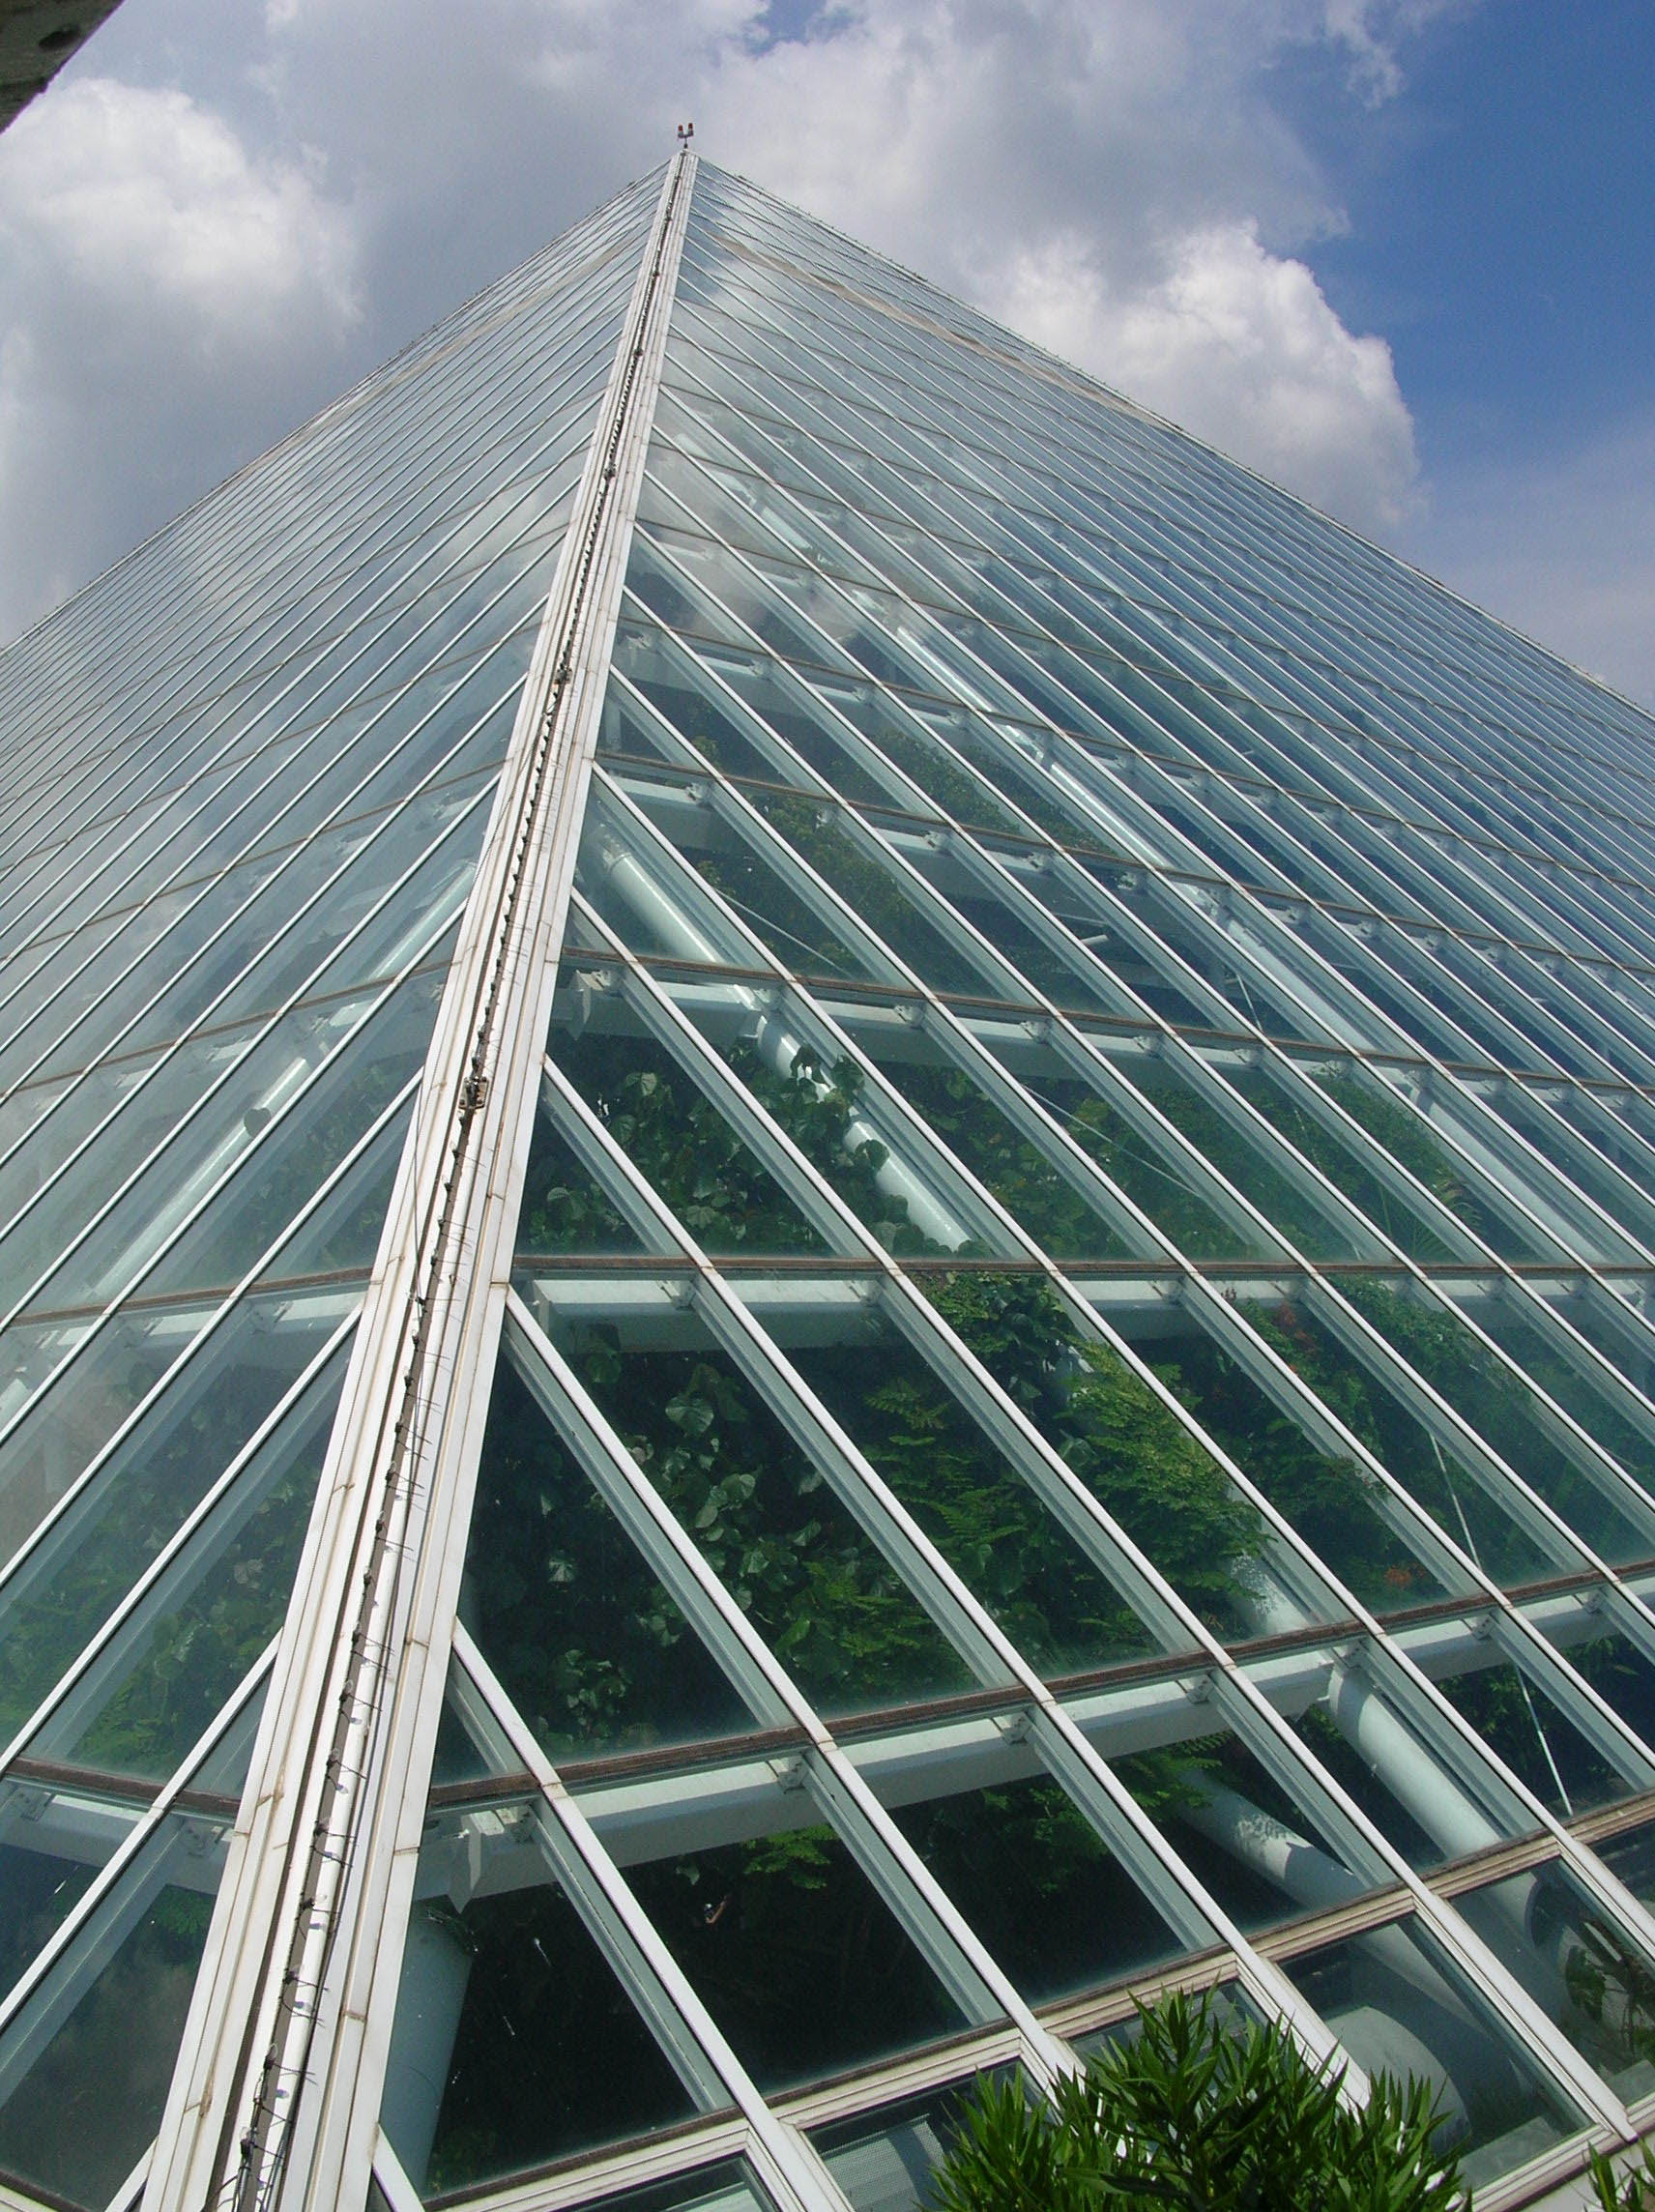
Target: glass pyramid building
826,1229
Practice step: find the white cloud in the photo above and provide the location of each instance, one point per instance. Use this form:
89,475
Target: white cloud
163,285
1112,176
1240,346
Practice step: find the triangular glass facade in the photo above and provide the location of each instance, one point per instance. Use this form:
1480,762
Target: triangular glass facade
825,1188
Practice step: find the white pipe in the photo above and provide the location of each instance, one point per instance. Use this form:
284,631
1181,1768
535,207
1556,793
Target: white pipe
1289,1861
436,1966
780,1047
1447,1813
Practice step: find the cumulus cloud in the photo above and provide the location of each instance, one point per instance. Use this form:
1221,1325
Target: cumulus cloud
1117,178
163,283
1240,346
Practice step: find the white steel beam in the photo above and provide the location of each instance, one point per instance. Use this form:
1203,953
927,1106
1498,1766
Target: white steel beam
274,2100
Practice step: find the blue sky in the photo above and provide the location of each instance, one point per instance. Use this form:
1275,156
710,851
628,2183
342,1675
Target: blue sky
1499,219
1394,253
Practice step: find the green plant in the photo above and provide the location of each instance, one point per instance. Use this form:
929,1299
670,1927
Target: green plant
1188,2116
1127,1447
1630,2192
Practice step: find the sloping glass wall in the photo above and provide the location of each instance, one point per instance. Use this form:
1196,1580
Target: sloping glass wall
248,775
1076,1405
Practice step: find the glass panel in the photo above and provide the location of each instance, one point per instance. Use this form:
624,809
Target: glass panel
1408,1137
956,1108
1459,1506
871,888
593,1653
196,1636
811,1581
1327,1500
1242,1161
1033,1878
1167,1494
1519,1721
80,2093
986,1522
682,1146
1579,1968
1143,1167
1563,1374
796,1956
143,1493
803,940
1630,1858
515,2042
1400,2008
1063,980
563,1210
1429,1805
1260,1855
53,1840
1341,1163
1495,1400
886,2165
1612,1663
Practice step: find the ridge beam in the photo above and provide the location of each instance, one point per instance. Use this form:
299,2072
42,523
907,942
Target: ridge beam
275,2098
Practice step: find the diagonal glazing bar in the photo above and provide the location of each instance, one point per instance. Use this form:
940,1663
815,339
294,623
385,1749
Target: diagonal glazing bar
276,2093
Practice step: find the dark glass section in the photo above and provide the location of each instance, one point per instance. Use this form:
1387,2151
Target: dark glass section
1260,1855
802,940
80,2118
38,1890
1519,1721
1409,1139
1033,1878
1564,1378
1242,1161
1167,1494
1152,1176
1400,2008
1057,976
1438,1346
550,2057
1630,1858
1458,1503
1622,1677
796,1956
594,1654
563,1210
957,1109
1342,1164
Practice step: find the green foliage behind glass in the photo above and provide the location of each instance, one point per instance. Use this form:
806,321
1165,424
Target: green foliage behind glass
1129,1449
679,1140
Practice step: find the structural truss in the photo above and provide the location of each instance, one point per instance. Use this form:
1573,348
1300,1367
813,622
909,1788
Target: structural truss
826,1232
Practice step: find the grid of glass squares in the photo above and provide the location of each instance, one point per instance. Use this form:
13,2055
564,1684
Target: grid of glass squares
1075,1410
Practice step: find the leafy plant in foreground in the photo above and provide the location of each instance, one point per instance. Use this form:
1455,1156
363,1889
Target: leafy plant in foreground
1631,2192
1191,2117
